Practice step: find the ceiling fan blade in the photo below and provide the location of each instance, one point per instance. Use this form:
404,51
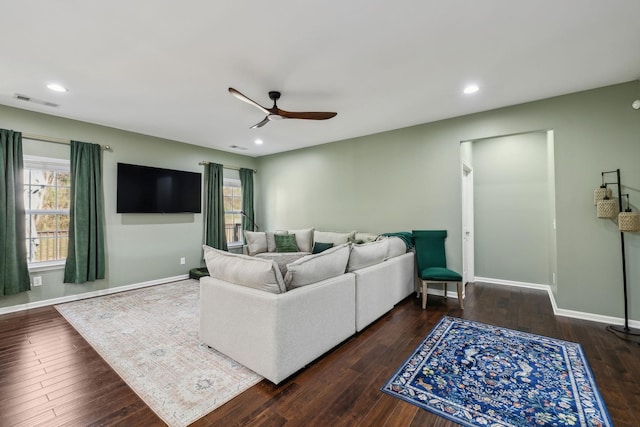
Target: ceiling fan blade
309,115
262,123
243,98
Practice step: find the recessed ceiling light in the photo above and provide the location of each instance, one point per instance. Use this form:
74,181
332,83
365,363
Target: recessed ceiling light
57,87
258,142
471,89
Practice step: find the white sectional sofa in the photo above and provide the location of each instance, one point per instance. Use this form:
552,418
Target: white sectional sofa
275,335
276,324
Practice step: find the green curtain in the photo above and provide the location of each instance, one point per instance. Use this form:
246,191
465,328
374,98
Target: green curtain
215,235
14,272
86,257
246,186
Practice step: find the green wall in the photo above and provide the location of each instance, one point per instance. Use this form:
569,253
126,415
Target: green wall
398,180
140,247
511,208
411,178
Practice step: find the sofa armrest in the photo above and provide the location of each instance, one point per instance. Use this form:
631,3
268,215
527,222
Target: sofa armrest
406,280
275,335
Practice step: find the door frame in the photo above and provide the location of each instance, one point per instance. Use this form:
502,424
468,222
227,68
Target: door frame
467,240
468,273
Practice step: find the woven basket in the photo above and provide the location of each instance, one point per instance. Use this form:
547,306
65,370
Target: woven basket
628,221
607,208
600,193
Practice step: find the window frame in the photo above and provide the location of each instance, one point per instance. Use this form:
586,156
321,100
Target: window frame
49,164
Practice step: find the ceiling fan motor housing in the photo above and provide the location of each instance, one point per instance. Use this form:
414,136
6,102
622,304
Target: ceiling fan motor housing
274,95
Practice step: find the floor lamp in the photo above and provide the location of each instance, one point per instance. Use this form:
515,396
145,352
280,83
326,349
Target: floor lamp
628,221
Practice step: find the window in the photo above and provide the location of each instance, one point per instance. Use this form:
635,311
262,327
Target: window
232,207
47,191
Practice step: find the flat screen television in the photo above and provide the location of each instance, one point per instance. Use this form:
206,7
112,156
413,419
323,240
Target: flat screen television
145,189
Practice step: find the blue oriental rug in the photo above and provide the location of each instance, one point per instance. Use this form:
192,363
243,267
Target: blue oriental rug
482,375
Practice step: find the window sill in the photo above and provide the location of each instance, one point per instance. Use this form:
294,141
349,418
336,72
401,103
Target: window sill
47,266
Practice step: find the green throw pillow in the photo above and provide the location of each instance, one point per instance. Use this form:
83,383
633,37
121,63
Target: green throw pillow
286,243
321,247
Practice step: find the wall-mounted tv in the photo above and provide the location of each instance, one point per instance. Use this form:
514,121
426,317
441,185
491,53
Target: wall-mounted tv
144,189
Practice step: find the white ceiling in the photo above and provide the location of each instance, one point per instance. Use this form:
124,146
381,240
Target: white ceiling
163,67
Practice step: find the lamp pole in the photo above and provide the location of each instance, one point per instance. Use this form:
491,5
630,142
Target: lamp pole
625,330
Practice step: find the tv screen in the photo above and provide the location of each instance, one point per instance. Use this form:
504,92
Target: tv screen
144,189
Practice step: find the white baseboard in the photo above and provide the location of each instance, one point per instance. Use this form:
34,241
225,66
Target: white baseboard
76,297
593,317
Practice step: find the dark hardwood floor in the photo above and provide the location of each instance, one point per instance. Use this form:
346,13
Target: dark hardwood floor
50,376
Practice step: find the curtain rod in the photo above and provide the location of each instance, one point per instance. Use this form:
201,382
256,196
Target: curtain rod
56,140
235,168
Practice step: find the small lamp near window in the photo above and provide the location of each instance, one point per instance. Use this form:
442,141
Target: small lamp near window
628,220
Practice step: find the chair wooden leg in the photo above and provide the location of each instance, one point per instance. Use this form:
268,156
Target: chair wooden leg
446,290
424,295
460,296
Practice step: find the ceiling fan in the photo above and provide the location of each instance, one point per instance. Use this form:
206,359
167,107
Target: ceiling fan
275,113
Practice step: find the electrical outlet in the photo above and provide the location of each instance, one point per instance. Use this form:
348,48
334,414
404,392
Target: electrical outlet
183,261
37,280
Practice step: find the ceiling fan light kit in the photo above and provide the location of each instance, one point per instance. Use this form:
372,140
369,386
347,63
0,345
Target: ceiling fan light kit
274,113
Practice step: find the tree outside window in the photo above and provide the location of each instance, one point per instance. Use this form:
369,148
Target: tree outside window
47,189
232,207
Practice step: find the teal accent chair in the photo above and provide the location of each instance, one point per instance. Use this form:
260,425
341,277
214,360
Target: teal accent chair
432,262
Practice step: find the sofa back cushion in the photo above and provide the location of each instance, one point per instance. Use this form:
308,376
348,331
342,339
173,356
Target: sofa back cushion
256,241
361,237
244,270
314,268
367,254
396,248
304,239
333,237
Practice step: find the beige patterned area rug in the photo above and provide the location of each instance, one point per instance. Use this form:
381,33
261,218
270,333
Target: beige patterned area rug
150,337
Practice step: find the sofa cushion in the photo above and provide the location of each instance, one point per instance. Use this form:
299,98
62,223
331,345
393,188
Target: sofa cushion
360,237
244,270
333,237
286,243
304,239
314,268
256,241
271,240
321,247
282,258
367,254
396,248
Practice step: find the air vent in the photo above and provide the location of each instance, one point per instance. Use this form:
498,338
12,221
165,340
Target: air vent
35,100
237,147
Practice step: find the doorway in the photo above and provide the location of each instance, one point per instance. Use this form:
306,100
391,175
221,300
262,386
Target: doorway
508,209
